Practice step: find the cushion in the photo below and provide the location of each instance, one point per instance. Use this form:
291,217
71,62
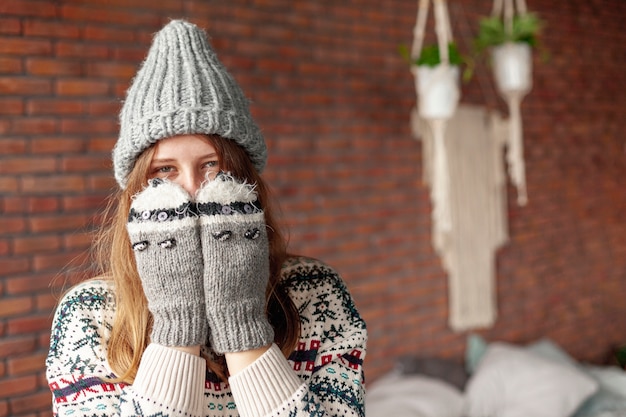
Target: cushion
474,352
510,381
412,396
549,350
611,395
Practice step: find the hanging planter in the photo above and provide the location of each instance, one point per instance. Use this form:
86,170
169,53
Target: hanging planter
437,79
437,84
510,38
512,68
511,50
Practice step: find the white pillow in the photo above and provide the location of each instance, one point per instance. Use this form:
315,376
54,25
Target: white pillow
610,377
512,382
395,395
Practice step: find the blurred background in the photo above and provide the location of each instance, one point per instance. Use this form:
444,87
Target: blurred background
333,97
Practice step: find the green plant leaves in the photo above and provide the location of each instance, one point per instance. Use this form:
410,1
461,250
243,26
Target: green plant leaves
430,55
492,31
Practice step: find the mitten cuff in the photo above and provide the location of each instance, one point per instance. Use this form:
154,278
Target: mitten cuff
184,326
239,327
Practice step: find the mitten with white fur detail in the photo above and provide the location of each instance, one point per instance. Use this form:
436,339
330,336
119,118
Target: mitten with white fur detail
236,265
163,230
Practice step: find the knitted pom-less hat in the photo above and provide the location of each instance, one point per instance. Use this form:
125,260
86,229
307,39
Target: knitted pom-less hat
182,88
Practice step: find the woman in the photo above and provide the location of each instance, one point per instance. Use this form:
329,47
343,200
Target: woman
199,310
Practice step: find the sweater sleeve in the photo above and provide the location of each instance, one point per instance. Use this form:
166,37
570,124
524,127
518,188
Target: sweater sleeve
324,375
168,382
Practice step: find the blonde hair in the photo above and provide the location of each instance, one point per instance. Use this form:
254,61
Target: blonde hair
133,321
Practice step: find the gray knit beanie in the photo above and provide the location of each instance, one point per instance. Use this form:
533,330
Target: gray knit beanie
182,88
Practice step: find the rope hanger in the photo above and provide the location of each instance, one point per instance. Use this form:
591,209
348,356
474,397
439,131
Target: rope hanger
513,96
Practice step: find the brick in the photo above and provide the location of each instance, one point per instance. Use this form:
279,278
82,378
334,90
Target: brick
28,8
13,266
44,343
50,29
83,202
88,13
13,345
56,262
22,205
78,240
108,107
163,5
15,306
12,387
30,125
20,46
31,403
11,106
52,184
42,204
12,224
80,87
21,165
46,224
30,324
109,34
68,49
112,69
25,364
57,145
9,185
44,106
4,408
53,67
24,86
5,126
120,88
46,302
10,65
104,183
10,26
36,244
85,163
130,53
30,283
4,250
91,125
13,146
102,145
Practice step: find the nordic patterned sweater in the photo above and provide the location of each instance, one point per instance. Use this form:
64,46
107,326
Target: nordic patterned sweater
322,377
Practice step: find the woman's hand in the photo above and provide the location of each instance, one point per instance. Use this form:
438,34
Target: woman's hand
164,234
236,265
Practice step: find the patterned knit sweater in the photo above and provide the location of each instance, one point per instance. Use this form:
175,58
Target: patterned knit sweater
322,377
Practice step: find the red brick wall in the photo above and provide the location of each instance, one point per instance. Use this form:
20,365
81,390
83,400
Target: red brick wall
333,98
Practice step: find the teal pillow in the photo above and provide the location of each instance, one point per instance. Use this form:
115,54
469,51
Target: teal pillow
474,351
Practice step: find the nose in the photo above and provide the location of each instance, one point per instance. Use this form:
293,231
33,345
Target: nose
190,181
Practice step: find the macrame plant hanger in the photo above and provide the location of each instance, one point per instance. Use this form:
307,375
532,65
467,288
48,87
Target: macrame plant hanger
512,64
438,96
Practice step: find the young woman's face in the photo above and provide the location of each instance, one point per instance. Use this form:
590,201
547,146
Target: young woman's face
187,160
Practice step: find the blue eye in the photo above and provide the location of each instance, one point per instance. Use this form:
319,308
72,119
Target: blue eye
252,234
222,236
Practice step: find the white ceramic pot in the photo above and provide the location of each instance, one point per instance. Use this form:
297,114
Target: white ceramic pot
437,90
512,66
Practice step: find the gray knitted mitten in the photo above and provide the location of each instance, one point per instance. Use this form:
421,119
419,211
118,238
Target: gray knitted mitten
163,230
236,265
